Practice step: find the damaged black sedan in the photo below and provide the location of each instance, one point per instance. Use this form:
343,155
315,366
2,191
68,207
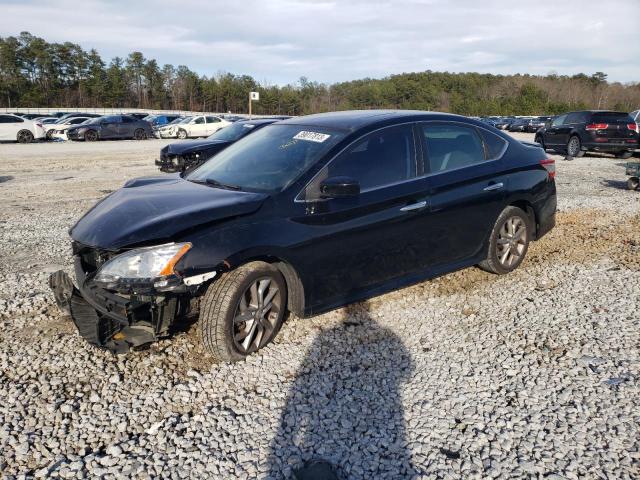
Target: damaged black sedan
305,215
187,155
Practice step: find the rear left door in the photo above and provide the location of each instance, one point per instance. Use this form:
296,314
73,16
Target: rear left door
467,186
213,124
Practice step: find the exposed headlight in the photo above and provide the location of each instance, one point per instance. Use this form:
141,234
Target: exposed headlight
150,265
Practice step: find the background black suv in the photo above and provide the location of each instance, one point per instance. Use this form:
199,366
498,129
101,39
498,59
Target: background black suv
575,133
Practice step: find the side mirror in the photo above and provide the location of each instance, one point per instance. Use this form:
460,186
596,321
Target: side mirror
338,187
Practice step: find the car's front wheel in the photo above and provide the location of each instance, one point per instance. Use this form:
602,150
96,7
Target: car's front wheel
90,136
509,241
242,311
182,134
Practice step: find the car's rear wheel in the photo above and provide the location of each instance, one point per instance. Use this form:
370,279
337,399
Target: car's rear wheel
509,241
24,136
140,134
625,154
91,136
574,147
182,134
242,311
633,183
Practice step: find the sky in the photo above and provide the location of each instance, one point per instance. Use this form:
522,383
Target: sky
279,41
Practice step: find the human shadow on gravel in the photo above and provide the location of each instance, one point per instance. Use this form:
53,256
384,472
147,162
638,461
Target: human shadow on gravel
344,407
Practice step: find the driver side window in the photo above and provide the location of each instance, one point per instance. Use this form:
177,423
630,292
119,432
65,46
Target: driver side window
380,158
558,121
198,120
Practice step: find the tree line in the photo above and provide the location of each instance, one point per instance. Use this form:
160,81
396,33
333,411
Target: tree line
37,73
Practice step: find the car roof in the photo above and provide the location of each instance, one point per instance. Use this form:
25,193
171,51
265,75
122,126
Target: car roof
356,119
258,121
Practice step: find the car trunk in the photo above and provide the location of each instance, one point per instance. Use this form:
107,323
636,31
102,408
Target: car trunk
611,127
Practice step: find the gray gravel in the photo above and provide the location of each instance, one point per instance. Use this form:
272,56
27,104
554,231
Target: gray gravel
535,374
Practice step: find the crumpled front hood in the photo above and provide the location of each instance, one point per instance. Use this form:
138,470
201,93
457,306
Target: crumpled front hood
157,208
188,146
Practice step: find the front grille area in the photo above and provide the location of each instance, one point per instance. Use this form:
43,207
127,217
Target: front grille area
91,258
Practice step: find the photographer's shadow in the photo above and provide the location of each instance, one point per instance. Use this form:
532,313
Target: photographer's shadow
344,407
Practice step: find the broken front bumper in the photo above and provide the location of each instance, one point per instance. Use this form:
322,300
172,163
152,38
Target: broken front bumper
115,322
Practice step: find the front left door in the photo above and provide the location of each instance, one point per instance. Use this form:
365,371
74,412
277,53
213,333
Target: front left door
363,242
110,127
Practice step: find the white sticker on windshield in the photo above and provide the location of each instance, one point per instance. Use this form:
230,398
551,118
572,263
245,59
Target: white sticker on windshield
248,125
312,136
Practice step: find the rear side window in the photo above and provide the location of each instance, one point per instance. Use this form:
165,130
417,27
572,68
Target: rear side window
573,118
75,121
450,147
494,145
126,119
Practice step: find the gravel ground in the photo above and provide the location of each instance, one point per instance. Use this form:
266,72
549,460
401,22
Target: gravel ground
534,374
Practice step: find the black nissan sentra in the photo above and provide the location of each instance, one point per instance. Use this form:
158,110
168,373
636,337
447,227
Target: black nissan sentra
305,215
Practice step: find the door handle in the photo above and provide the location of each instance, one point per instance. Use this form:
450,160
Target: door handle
414,206
494,186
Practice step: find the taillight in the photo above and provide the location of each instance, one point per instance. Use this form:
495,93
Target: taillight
632,126
550,166
597,126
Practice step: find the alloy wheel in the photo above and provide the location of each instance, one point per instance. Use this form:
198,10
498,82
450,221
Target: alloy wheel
574,147
256,315
512,241
25,136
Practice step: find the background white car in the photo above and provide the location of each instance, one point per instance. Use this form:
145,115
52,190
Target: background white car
201,126
170,130
57,130
18,129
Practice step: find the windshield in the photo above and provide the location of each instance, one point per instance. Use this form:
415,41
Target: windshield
185,120
177,120
268,160
233,132
150,118
95,120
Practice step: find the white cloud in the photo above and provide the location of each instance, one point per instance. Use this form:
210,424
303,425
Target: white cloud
281,40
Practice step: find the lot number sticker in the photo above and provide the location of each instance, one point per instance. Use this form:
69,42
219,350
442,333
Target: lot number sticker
312,136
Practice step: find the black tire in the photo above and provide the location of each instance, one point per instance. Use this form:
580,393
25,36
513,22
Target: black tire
90,136
497,262
539,139
625,154
574,147
221,309
633,183
24,136
139,134
182,134
49,134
